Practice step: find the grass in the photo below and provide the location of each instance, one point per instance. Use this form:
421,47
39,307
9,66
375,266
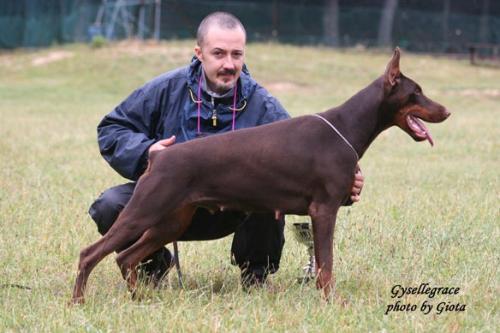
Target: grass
427,215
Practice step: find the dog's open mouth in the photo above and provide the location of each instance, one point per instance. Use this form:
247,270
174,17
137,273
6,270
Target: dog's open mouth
418,128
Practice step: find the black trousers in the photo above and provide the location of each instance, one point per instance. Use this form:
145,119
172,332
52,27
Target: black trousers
258,238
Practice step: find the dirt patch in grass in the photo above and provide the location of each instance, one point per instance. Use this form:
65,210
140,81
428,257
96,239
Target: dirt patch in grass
51,57
138,48
283,87
481,92
470,92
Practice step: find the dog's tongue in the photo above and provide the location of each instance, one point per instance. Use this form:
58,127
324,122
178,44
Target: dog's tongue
419,128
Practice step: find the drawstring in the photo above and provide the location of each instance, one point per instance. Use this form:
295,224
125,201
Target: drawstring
198,102
234,103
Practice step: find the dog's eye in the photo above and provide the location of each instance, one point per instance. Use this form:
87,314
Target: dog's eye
414,96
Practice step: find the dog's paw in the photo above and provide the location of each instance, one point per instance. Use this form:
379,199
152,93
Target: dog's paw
76,301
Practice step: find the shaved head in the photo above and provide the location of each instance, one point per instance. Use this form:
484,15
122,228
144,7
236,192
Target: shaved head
222,20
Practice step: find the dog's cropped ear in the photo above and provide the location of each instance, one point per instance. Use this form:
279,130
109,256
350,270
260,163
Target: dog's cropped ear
392,71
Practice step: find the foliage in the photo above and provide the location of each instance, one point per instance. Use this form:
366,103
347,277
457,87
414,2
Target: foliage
98,41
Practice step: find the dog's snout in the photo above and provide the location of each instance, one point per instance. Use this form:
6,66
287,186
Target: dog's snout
446,113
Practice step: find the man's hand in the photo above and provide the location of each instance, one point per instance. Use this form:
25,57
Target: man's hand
162,144
357,186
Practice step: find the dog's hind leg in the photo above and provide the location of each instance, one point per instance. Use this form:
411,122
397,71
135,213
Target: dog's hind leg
115,239
165,231
147,244
89,258
140,214
154,196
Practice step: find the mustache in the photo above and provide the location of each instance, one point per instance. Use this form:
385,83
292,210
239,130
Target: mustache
227,72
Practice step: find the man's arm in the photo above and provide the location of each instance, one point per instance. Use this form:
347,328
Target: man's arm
125,134
274,111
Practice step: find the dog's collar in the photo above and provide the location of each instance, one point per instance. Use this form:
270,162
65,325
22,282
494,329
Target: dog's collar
338,132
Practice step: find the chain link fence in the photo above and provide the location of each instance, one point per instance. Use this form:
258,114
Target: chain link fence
42,23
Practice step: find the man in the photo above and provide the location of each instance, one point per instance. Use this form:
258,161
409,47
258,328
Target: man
214,94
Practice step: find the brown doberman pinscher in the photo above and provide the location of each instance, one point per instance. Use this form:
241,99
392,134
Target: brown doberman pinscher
302,166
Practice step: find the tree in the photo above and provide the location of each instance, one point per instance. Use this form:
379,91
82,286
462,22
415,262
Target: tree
386,22
484,22
331,23
446,29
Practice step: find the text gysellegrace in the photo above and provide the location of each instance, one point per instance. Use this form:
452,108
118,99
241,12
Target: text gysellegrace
398,291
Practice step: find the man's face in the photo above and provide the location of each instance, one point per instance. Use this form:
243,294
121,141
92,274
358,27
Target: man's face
222,55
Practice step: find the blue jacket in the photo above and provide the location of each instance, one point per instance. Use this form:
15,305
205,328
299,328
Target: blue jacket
166,106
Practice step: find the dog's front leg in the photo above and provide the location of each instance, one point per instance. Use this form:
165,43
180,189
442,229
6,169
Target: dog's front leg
323,221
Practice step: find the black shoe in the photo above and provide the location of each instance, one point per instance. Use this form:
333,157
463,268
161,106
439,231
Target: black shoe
253,277
155,267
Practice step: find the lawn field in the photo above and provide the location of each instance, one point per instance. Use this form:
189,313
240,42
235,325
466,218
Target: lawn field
427,215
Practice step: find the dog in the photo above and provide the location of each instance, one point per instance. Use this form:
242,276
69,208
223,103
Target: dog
302,166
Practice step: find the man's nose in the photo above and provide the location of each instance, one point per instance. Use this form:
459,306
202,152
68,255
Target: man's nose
228,62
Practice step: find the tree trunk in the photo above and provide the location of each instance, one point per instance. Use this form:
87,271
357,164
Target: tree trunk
386,21
484,31
331,23
446,27
275,19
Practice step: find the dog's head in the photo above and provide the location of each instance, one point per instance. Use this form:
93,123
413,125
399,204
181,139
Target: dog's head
406,104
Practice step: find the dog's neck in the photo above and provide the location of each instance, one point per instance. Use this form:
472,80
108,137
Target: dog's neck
360,119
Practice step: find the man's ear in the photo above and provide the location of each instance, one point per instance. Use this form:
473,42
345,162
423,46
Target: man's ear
197,52
392,71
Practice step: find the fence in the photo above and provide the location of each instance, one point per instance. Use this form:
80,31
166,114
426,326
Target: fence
32,23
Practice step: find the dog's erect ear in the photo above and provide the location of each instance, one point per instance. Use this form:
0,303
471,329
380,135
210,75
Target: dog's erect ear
392,71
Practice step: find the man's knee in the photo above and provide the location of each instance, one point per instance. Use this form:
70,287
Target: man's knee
258,243
104,211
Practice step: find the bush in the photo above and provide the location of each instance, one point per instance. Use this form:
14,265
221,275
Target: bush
98,41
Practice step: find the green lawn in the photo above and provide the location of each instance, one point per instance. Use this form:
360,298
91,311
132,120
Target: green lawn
427,215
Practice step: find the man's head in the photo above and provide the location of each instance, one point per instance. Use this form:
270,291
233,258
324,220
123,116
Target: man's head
221,48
